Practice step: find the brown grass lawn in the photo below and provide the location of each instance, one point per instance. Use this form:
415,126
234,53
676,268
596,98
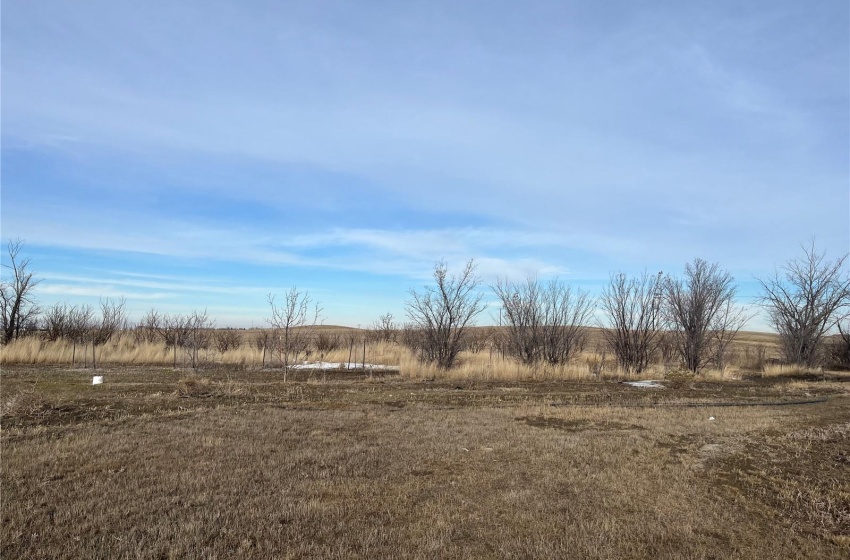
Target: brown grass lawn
236,464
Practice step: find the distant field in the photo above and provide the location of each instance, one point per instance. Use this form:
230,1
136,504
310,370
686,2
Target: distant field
232,462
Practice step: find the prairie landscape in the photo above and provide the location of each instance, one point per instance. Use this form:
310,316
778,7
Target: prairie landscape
488,460
596,255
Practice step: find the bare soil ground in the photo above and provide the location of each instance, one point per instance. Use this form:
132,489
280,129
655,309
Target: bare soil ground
226,463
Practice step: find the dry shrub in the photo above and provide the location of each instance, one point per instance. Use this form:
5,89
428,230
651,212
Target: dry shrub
838,349
326,342
195,386
26,404
678,377
714,374
230,388
784,370
227,339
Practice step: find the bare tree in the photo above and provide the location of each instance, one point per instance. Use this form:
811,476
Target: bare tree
701,314
18,309
197,334
565,314
354,337
150,327
545,321
411,336
805,301
523,316
633,310
55,322
840,347
189,333
174,331
444,312
292,324
113,319
80,323
228,339
728,323
478,339
385,328
326,342
263,342
666,350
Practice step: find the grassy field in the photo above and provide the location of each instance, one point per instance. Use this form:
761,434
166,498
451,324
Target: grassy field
231,462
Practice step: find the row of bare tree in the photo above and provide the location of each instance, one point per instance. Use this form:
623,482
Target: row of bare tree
692,316
545,321
81,325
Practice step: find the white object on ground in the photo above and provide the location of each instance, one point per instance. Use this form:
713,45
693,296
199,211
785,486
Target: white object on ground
340,365
711,417
645,384
96,379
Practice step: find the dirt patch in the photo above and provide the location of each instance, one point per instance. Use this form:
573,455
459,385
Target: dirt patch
802,476
575,425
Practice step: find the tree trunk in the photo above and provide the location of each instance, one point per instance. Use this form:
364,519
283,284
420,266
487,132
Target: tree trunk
285,353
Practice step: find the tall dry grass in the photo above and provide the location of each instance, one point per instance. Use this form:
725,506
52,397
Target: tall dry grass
122,351
779,370
493,366
126,351
753,352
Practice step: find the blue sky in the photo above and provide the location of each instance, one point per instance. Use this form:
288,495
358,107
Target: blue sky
204,154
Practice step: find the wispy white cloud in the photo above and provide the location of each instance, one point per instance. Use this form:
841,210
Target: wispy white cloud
397,252
95,290
565,140
114,283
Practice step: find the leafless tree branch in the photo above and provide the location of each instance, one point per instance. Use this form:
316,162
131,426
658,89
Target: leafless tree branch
633,309
544,321
293,323
805,301
701,314
18,309
443,313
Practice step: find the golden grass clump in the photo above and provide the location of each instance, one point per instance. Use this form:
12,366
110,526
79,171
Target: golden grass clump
196,386
774,370
27,403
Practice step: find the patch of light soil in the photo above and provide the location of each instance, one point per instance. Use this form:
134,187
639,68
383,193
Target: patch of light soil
649,384
341,365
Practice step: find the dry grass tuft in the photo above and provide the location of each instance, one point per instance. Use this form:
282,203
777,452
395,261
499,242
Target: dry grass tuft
27,403
678,377
196,386
774,370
